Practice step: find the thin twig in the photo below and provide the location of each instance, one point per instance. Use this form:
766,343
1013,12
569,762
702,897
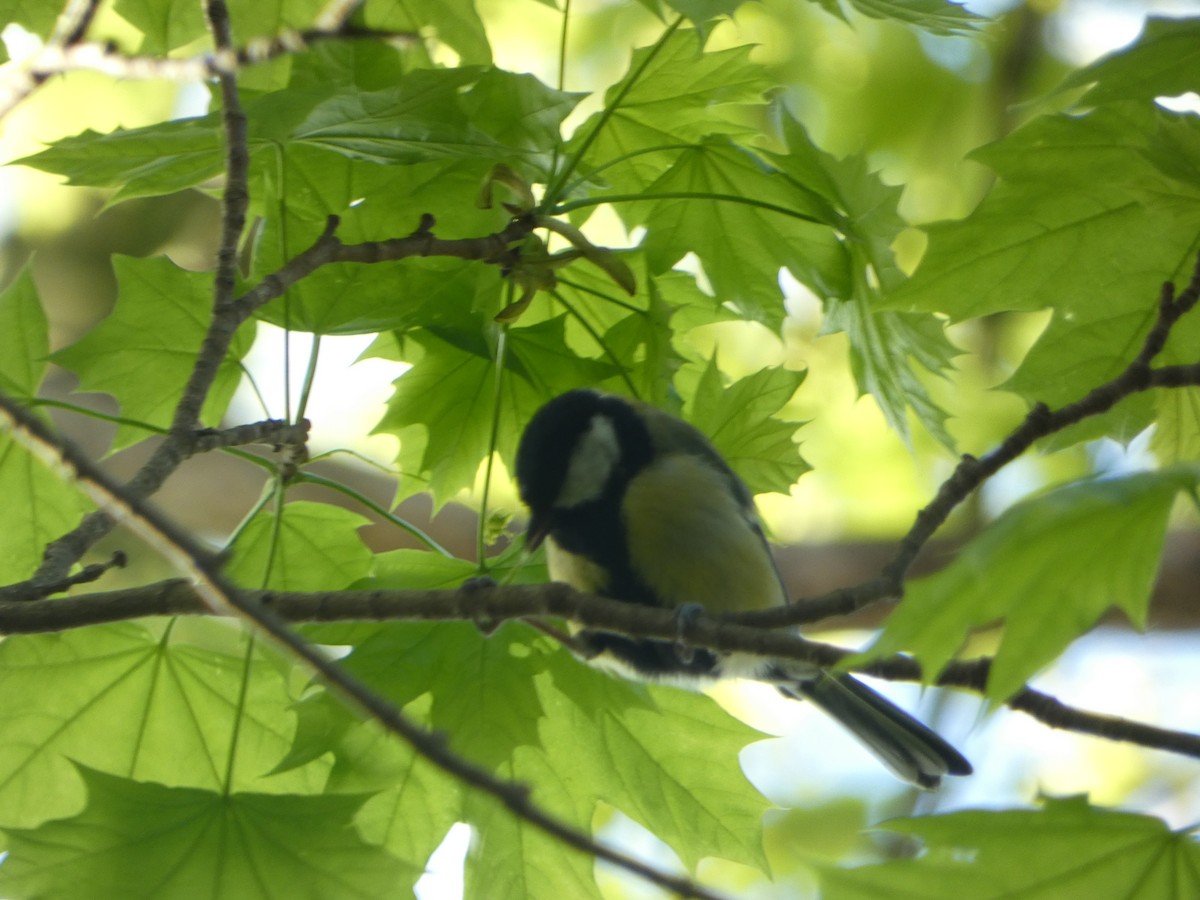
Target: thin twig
108,59
69,29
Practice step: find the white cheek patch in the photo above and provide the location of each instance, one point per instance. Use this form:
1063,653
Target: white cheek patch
592,462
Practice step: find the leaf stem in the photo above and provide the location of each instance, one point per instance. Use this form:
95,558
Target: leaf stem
562,71
685,195
310,375
493,438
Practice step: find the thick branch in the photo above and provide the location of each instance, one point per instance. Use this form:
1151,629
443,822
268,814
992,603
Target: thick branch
488,606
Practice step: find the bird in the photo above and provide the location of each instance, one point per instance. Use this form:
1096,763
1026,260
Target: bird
635,504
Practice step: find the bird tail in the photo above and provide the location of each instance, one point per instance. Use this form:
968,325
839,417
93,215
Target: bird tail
913,752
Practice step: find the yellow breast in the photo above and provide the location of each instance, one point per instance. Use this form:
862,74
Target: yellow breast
691,541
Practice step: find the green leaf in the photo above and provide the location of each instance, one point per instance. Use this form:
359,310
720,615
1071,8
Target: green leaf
455,23
1069,849
41,505
1075,354
512,858
1072,191
165,24
418,120
520,112
307,547
744,221
418,570
138,162
632,332
739,419
700,12
1176,435
847,195
673,93
883,346
170,24
446,400
144,352
1112,186
664,757
667,758
421,570
32,15
118,698
934,16
24,338
144,840
376,202
414,802
482,699
1163,62
1049,567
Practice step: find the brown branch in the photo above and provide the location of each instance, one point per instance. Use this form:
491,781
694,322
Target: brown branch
22,592
235,198
489,605
275,432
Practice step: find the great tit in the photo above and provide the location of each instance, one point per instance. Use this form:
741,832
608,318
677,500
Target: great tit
636,505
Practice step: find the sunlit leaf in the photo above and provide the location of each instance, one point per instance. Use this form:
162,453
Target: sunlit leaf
745,223
144,352
146,840
121,699
450,395
1049,568
1068,849
673,94
139,162
739,419
454,22
1163,62
935,16
305,547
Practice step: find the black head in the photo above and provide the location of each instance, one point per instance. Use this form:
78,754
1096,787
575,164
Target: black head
578,447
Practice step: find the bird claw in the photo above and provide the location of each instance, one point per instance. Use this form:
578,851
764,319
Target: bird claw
485,624
686,615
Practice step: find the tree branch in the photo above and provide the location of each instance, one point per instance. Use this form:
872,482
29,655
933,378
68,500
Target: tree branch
69,30
490,605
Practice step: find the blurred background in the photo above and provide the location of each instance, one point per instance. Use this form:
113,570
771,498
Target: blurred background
915,104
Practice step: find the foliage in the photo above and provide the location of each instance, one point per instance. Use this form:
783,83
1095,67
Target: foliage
185,758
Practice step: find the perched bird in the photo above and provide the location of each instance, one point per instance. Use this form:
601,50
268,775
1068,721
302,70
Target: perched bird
636,505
